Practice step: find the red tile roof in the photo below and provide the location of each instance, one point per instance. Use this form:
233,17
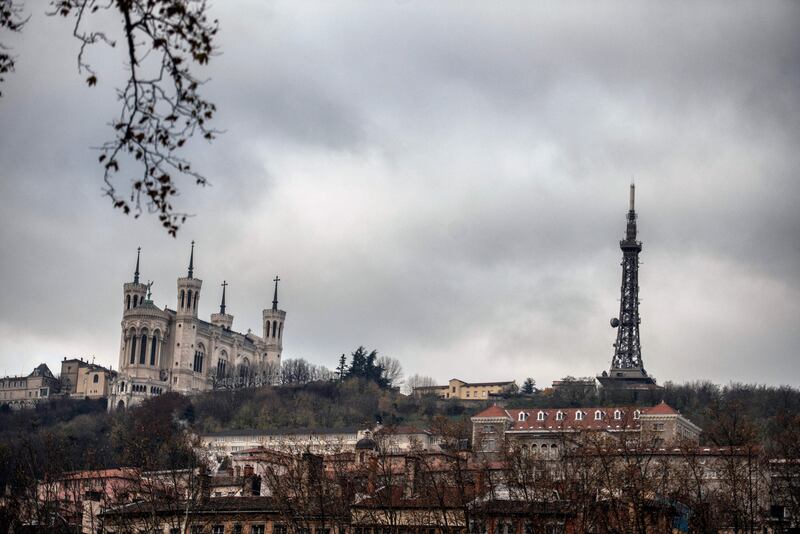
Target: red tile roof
661,409
493,411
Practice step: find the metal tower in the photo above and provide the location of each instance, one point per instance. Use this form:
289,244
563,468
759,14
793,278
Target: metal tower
627,369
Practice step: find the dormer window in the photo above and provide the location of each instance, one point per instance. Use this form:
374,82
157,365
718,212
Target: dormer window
540,416
559,416
636,414
598,415
579,415
523,416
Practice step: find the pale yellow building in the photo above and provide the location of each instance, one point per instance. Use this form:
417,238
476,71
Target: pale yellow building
21,391
83,379
458,389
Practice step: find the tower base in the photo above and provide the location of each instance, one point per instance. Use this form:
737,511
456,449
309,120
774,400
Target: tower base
627,379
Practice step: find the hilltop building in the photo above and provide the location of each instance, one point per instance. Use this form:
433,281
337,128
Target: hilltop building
24,391
458,389
84,379
627,368
546,431
165,350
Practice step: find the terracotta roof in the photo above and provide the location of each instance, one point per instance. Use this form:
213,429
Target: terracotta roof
661,409
493,411
570,420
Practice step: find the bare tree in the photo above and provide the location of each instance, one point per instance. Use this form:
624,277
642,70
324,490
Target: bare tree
161,103
418,381
391,370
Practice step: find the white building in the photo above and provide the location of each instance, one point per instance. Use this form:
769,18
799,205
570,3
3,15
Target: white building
165,350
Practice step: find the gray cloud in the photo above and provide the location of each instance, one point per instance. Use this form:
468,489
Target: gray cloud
446,183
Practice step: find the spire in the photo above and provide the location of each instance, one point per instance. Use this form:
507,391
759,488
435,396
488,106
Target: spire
136,273
191,261
275,298
222,304
630,232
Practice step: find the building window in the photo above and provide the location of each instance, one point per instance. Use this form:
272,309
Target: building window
598,415
96,379
540,416
221,364
559,416
198,361
218,529
636,414
153,342
143,349
617,415
274,328
128,302
196,294
521,416
280,330
182,298
237,529
268,327
133,349
579,415
189,299
257,529
278,528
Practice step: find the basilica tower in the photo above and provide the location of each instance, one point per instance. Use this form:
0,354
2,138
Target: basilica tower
190,361
273,327
134,292
627,368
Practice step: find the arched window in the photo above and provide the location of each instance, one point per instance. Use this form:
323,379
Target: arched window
617,415
189,299
128,302
268,328
540,416
280,330
636,414
598,415
222,363
522,416
196,294
199,354
153,345
96,379
274,328
143,349
559,416
579,415
182,297
133,348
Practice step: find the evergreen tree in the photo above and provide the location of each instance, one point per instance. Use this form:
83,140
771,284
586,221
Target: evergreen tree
342,369
528,386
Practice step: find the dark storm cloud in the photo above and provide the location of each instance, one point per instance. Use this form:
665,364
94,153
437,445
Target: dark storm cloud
445,182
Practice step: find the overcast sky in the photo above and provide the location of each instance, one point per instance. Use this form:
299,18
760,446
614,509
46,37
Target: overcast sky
444,182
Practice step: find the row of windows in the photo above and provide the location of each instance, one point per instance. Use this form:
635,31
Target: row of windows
141,388
599,415
14,384
197,366
277,329
132,303
239,529
142,348
188,300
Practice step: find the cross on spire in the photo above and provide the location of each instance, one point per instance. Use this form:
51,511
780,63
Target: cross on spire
222,304
191,261
136,273
275,297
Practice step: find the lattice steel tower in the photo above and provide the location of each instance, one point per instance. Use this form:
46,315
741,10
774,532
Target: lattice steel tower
627,369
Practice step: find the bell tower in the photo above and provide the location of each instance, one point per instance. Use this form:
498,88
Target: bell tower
222,318
134,292
273,326
627,369
189,291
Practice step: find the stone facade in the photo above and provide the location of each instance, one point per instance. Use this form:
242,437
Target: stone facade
165,350
547,431
22,391
458,389
83,379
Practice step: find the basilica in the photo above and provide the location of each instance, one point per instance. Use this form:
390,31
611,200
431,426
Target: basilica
165,350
